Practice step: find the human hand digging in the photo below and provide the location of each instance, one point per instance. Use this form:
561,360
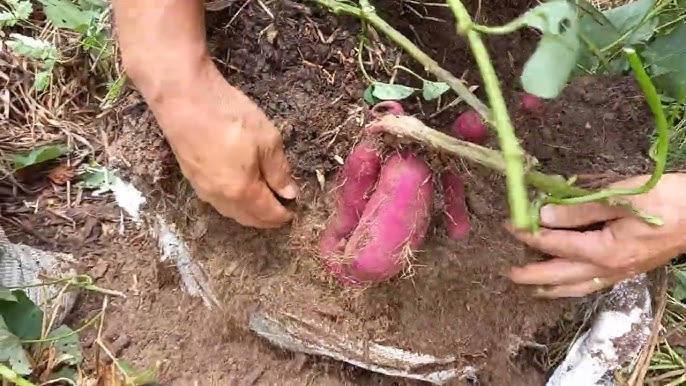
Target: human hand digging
225,145
587,261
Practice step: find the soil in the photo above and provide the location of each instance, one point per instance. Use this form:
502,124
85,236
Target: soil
301,69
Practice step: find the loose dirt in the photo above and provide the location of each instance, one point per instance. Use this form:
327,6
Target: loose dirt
302,69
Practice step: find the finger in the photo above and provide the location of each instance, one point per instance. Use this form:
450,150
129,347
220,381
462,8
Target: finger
572,216
597,247
276,170
264,206
240,216
555,271
578,289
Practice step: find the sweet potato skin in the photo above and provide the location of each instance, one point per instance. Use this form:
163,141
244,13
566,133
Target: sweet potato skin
354,186
456,214
394,223
470,127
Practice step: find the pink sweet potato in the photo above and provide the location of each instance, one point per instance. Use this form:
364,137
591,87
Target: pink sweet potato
455,214
531,103
394,222
354,186
470,127
387,107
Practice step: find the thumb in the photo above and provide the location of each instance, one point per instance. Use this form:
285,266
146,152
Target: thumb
275,169
572,216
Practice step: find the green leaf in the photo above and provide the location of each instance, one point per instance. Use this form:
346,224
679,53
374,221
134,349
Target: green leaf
629,17
22,317
97,177
22,9
137,377
666,58
64,374
432,90
32,48
392,92
679,290
11,351
42,80
68,348
550,16
40,155
547,71
368,95
65,14
7,295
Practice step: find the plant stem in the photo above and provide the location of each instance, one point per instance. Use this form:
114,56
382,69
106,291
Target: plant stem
501,29
360,50
9,375
509,144
661,126
411,128
368,14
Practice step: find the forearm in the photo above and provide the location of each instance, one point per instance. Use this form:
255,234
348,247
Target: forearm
162,42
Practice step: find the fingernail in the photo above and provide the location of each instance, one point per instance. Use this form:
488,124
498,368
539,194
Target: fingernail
290,192
548,214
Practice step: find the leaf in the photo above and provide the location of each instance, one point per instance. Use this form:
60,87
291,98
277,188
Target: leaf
631,16
67,349
7,295
97,177
679,290
32,48
22,9
22,317
549,17
368,95
65,14
138,377
547,71
432,90
40,155
64,374
11,351
392,92
42,80
666,58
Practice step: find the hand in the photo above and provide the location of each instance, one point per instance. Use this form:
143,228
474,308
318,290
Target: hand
584,262
226,147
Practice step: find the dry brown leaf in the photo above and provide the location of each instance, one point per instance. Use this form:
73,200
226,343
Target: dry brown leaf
61,174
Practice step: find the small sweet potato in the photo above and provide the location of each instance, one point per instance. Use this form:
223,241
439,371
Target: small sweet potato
387,107
531,103
354,185
455,214
470,127
394,222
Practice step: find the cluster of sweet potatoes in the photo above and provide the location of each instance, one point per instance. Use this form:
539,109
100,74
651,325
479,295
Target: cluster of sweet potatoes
384,198
383,203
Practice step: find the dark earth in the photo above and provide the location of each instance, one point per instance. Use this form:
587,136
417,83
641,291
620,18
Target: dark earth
301,68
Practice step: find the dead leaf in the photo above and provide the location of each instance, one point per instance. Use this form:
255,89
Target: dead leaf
61,174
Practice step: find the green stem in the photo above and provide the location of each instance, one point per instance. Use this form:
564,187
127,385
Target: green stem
501,29
509,144
661,126
360,50
367,13
9,375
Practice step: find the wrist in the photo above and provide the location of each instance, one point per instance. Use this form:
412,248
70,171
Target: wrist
159,76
